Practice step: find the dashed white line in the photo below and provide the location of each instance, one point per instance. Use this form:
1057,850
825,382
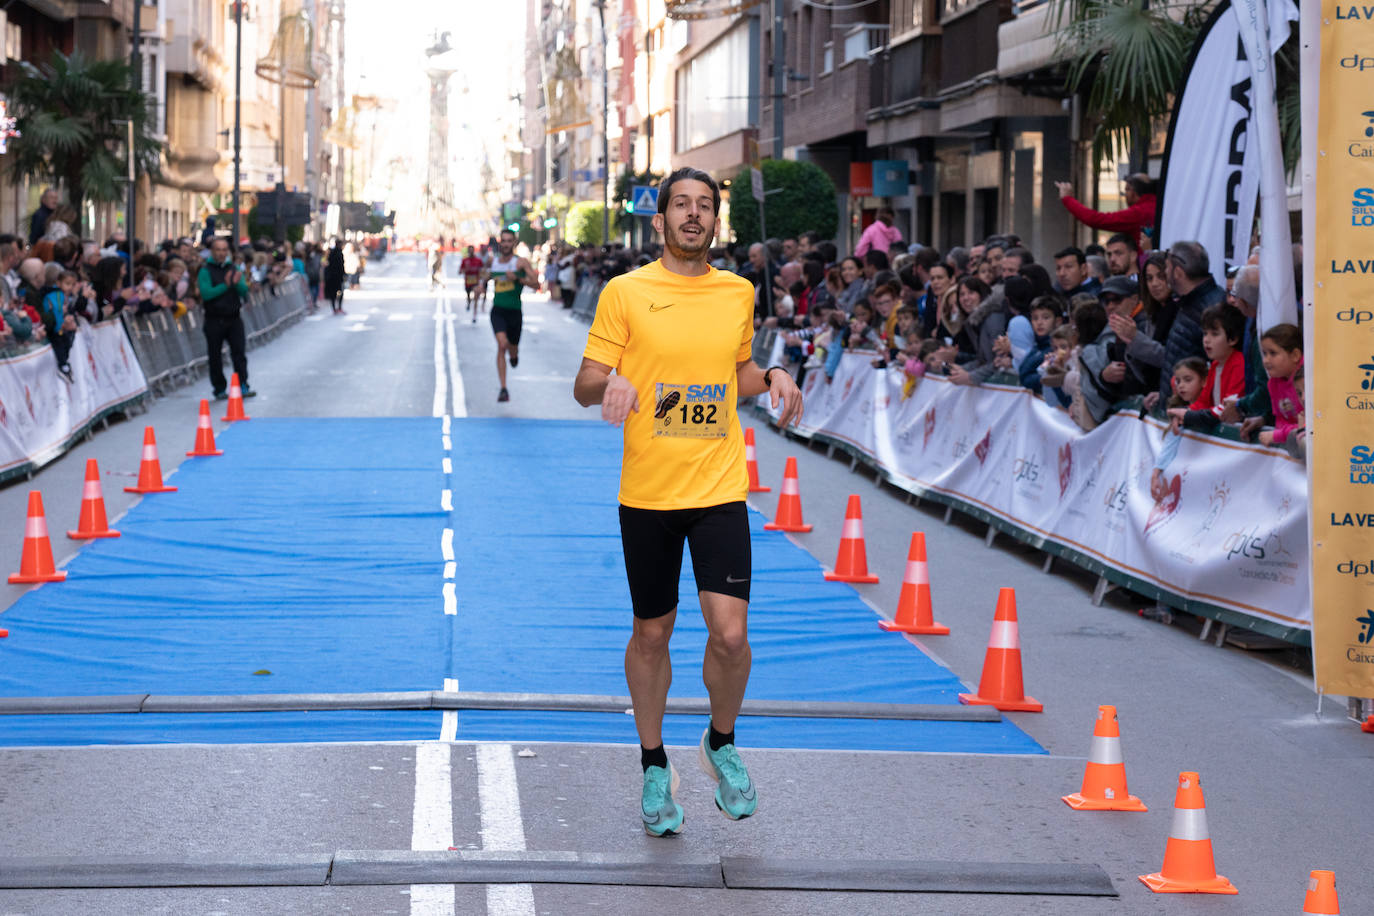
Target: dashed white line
449,569
446,500
440,375
432,824
450,599
460,398
447,420
448,465
448,443
446,543
503,829
448,731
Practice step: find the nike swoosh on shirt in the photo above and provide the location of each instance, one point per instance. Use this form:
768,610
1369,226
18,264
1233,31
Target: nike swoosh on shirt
659,308
731,580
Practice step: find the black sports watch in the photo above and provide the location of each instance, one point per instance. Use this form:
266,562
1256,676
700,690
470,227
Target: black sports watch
767,375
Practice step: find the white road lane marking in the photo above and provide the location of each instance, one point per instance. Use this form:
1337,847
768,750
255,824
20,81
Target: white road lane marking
503,828
432,824
450,599
446,500
447,422
448,442
450,568
448,731
446,543
440,371
460,398
448,465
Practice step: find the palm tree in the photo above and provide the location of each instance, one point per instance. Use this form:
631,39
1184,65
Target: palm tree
1128,56
73,116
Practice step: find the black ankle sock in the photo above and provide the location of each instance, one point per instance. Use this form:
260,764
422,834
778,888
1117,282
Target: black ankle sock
718,740
653,757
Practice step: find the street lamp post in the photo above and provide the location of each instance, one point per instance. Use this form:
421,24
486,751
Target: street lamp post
136,66
605,127
238,116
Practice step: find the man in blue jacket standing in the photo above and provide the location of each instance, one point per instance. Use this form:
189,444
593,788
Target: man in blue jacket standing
223,290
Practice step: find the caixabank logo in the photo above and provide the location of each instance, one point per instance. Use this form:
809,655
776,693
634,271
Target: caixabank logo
1361,651
1360,393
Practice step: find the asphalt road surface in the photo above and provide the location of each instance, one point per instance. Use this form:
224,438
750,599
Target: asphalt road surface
1284,788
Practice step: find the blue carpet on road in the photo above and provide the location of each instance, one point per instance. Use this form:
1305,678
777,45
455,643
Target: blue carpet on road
311,550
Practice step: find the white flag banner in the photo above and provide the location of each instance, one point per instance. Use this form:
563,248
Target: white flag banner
41,412
1228,539
1215,159
1263,30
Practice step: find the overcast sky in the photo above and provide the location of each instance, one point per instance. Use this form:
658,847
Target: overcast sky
384,51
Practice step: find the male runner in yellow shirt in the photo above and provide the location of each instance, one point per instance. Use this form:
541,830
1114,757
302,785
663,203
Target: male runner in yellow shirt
678,334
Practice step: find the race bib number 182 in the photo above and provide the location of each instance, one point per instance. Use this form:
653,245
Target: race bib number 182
690,411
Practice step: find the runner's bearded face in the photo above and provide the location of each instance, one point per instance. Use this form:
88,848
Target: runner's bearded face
689,222
506,244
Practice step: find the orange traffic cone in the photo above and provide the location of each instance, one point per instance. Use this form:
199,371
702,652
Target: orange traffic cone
205,435
92,523
1188,867
150,470
752,464
1321,894
1001,685
914,611
235,408
1368,726
789,516
35,563
1104,778
851,563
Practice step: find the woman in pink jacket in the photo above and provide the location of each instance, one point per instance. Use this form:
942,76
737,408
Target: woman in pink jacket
881,234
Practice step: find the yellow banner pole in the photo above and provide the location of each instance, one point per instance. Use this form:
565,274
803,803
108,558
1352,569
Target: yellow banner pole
1338,215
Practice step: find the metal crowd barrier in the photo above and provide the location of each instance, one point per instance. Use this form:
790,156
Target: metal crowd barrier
172,350
584,305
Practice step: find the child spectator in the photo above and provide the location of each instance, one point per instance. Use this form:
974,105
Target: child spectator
1188,381
1223,327
1281,350
1095,395
1054,369
1045,312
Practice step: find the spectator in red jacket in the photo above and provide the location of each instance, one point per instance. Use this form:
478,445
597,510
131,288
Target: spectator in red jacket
1138,216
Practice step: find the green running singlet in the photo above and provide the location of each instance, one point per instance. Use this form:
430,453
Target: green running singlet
505,277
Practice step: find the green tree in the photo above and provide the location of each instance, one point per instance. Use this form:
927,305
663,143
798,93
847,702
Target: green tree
584,223
1127,57
804,199
72,115
625,183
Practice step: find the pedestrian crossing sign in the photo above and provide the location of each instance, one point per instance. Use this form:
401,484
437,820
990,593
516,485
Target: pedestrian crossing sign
645,199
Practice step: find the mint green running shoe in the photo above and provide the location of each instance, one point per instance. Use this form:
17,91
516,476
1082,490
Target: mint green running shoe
662,815
735,795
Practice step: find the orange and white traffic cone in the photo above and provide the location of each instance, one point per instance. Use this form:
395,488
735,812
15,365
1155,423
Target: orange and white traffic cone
1188,867
1321,894
150,469
1104,778
235,409
789,515
35,563
914,611
751,463
205,435
1000,685
851,562
92,523
1368,725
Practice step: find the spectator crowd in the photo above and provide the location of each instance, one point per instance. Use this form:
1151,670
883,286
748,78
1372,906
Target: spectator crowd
1093,331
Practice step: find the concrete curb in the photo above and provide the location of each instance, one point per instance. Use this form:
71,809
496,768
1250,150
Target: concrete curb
425,699
399,867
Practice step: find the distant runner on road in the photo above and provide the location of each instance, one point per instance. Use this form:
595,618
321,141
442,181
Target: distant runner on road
679,334
436,264
471,268
510,274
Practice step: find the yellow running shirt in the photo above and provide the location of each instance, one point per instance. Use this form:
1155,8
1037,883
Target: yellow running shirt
678,340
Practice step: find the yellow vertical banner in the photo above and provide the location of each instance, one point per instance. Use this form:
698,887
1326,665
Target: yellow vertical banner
1340,402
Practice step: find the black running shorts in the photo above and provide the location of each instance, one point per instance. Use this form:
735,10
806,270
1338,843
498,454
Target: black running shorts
718,537
507,321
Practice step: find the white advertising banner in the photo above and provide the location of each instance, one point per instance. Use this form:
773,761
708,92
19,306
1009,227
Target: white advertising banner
1231,532
40,411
